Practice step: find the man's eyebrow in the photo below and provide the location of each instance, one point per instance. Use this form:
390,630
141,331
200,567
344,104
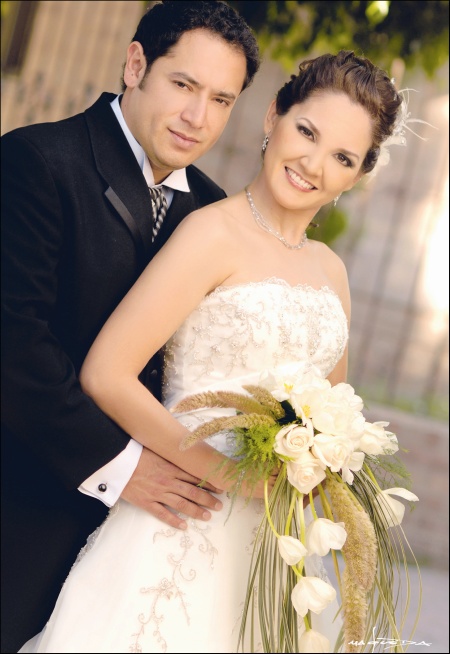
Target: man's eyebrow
221,94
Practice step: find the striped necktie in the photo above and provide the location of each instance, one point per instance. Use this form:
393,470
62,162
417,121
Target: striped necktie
159,208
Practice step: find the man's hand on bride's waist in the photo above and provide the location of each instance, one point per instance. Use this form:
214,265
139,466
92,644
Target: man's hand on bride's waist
164,490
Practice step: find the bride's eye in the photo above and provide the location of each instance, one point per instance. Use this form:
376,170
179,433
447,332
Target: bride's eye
344,160
305,131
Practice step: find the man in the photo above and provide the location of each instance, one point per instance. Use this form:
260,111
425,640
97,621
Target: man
77,232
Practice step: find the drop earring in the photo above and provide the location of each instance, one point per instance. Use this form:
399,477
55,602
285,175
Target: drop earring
264,143
336,199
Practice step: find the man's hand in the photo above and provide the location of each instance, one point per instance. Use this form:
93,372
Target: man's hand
157,484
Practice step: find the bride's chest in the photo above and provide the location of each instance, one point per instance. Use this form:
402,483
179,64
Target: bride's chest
259,325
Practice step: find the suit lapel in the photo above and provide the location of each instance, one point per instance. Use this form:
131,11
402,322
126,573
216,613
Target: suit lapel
126,187
127,218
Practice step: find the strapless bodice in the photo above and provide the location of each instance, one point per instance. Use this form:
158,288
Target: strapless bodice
237,332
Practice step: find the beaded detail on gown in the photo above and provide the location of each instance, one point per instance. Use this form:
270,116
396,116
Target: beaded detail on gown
141,586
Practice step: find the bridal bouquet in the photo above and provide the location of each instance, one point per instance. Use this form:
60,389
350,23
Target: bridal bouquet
330,456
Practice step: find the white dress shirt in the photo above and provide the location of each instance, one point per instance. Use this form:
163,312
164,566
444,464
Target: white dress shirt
108,483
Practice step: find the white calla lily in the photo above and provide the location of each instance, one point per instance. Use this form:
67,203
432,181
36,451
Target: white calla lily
394,510
291,549
312,594
314,642
354,464
323,534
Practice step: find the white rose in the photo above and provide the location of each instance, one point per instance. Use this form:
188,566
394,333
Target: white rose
291,549
314,642
323,534
294,439
393,509
376,440
305,472
311,594
333,451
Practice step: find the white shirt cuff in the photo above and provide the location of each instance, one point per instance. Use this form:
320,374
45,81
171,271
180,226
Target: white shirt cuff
108,483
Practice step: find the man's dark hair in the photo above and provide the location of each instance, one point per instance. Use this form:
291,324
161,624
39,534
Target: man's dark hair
165,22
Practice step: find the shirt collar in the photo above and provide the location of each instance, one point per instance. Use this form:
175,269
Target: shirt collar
177,179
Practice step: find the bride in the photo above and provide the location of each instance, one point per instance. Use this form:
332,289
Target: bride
237,290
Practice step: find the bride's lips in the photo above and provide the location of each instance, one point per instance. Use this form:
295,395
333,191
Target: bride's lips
298,181
183,140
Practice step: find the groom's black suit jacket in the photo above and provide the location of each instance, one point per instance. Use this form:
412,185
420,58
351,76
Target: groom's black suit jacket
76,233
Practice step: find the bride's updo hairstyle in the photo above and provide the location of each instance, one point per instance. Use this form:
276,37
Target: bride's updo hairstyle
357,77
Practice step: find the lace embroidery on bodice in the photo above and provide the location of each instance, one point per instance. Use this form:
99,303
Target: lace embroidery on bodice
241,330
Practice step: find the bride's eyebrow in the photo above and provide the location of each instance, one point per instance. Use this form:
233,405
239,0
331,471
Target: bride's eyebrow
317,131
190,80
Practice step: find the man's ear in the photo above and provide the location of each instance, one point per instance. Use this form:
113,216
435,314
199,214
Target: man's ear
271,117
135,65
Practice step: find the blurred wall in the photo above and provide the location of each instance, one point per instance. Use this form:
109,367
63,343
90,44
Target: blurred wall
75,51
395,246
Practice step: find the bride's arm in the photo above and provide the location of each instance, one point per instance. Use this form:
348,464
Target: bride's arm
338,273
189,266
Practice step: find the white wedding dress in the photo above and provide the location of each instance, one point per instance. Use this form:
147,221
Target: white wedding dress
141,586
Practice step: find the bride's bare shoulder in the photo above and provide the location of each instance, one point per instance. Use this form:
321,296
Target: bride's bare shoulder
331,262
334,270
213,221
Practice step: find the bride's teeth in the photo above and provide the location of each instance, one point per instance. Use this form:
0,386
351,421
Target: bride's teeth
298,180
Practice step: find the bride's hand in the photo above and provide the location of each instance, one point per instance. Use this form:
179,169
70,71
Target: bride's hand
257,490
315,493
272,479
159,486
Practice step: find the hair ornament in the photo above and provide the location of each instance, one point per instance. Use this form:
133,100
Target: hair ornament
398,136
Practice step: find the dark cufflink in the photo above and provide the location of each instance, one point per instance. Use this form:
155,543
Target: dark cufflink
102,488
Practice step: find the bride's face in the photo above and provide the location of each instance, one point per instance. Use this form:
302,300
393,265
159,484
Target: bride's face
316,150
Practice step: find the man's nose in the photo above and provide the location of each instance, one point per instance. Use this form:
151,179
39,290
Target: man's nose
195,112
